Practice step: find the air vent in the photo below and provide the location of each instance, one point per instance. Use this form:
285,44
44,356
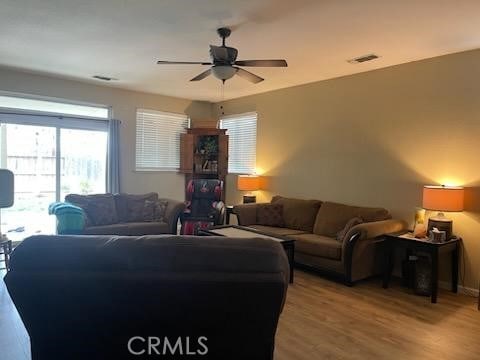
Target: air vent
363,58
104,78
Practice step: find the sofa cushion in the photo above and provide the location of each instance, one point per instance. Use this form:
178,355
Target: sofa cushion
130,207
298,214
350,224
270,215
275,231
129,229
160,210
100,209
155,210
149,210
318,245
332,217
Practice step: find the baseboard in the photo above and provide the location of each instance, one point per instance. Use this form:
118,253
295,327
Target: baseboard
461,289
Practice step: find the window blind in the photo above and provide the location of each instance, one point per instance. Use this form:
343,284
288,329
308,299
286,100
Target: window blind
242,142
158,140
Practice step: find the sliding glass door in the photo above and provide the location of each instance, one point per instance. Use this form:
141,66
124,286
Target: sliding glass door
30,152
83,157
49,162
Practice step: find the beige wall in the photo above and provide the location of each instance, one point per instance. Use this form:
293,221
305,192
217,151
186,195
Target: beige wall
375,139
123,104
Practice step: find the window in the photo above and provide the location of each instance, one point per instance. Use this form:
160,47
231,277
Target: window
31,105
158,140
242,142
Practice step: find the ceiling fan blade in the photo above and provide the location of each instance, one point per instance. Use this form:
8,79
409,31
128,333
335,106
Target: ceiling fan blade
267,63
247,75
160,62
202,76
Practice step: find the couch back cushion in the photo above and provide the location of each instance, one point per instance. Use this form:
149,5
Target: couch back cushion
298,214
332,217
270,215
135,208
100,209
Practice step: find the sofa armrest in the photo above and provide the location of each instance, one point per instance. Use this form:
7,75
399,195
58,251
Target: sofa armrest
246,213
174,209
372,230
360,255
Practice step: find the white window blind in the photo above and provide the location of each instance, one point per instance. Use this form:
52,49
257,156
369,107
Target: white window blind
158,140
242,142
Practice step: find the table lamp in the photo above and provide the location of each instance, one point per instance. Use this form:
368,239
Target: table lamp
6,192
248,183
442,198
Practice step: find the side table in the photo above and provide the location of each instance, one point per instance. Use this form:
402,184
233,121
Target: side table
5,251
228,213
411,244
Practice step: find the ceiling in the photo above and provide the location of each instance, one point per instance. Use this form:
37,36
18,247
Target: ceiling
124,38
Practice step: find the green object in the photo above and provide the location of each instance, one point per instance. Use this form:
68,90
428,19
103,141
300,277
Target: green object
70,218
70,224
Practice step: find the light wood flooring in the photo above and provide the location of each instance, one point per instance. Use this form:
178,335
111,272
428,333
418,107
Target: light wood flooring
323,319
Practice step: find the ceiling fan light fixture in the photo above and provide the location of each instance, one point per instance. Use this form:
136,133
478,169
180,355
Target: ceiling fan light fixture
223,72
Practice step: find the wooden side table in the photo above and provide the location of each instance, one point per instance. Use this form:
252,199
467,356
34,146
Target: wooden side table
393,241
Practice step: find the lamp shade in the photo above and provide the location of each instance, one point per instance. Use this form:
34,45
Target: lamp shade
6,188
443,198
248,182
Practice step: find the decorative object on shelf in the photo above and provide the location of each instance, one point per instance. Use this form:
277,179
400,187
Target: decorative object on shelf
442,198
419,229
248,183
6,192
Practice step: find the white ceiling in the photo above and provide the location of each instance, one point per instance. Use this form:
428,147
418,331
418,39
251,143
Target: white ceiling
124,38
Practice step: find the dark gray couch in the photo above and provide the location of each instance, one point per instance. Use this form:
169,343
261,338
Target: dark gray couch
84,297
127,214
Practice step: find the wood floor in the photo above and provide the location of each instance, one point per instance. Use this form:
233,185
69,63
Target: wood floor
323,319
327,320
14,340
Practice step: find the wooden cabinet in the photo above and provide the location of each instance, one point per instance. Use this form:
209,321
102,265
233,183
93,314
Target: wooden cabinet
204,154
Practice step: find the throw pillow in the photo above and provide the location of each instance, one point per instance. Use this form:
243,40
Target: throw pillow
155,210
123,209
160,210
350,224
149,210
270,215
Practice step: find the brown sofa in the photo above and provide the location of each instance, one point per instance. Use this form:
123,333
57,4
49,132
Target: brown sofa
126,214
335,238
85,297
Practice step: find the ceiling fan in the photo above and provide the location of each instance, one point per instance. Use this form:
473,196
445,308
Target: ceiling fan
224,63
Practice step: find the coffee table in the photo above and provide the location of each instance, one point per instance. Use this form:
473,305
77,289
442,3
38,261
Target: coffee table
246,232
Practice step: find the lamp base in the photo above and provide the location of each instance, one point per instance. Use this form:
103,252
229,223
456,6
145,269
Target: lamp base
442,223
247,199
